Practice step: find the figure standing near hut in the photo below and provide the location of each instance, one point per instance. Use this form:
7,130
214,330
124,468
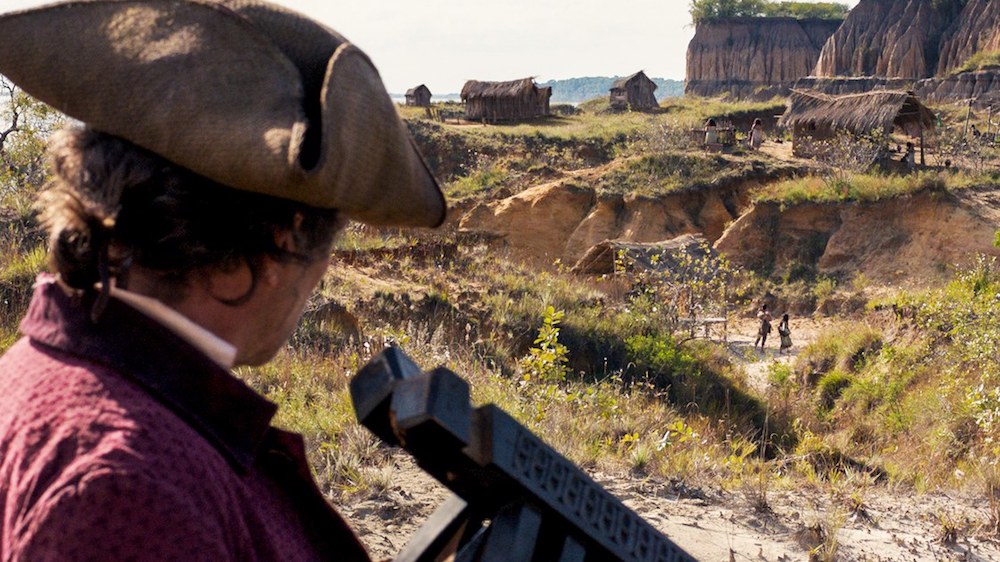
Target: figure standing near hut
909,158
764,326
711,132
125,434
756,134
785,333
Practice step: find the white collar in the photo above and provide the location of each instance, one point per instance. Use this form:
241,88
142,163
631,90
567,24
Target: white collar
216,348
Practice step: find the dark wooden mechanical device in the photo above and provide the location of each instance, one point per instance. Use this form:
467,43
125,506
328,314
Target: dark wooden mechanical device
514,498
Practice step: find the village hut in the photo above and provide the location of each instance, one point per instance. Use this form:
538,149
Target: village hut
419,96
505,101
634,92
814,116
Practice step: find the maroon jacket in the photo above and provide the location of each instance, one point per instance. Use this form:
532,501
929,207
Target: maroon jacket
120,441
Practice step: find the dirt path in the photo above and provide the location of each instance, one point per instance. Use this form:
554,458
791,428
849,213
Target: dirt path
869,524
720,525
757,363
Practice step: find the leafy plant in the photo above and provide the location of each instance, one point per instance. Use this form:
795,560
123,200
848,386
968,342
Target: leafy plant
546,360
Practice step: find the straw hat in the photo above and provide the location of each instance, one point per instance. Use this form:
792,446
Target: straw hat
248,94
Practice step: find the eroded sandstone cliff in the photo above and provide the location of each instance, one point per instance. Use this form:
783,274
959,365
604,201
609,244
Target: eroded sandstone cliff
977,29
912,240
753,57
888,38
981,86
561,221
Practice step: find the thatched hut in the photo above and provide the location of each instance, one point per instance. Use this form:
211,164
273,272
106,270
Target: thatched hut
635,92
815,116
505,101
419,96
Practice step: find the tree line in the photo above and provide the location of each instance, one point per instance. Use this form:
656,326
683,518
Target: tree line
708,10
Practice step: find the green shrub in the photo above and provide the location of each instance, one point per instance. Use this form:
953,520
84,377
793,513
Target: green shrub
830,387
979,61
546,360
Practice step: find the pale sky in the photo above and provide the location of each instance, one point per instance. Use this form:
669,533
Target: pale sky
443,43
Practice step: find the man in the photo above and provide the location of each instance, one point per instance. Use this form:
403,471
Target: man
222,145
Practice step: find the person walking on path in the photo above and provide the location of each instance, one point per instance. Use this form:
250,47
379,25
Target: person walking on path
764,316
785,333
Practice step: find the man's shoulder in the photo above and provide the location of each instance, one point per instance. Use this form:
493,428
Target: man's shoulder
118,513
49,384
59,410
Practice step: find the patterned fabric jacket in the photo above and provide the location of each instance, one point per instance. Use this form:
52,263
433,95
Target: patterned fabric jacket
120,441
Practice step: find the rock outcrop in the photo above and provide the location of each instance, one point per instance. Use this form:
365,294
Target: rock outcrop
976,30
982,86
912,240
560,221
893,44
888,38
753,57
842,85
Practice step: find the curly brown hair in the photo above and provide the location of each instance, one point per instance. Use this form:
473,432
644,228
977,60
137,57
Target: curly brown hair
112,204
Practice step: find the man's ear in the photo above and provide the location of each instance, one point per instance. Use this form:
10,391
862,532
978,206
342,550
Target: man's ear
284,238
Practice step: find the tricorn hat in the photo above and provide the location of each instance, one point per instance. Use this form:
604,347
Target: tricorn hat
245,93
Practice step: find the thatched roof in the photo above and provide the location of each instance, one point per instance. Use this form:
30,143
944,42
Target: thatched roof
413,91
622,83
858,113
511,89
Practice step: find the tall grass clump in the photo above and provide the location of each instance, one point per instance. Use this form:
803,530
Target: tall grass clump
865,187
979,61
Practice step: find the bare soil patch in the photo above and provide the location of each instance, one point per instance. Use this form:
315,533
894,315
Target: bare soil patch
717,524
807,522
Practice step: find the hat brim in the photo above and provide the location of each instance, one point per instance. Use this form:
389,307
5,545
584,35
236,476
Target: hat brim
211,89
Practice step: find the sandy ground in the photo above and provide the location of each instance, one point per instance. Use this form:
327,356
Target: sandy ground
720,525
717,524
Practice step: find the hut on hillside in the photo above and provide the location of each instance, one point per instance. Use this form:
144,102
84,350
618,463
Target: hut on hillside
419,96
635,92
505,101
813,116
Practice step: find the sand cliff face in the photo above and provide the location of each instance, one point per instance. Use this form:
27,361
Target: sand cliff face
910,39
559,221
981,86
977,29
888,38
748,56
898,44
913,240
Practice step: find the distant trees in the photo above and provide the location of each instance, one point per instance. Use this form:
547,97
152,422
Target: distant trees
25,124
806,10
707,10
